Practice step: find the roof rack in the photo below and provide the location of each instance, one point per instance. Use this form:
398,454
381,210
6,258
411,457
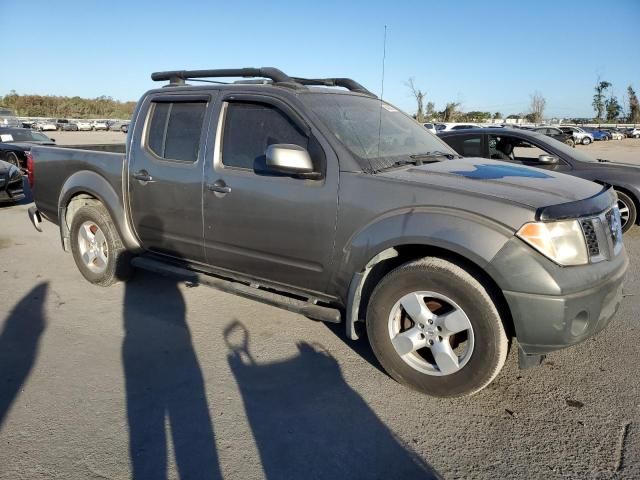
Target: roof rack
278,77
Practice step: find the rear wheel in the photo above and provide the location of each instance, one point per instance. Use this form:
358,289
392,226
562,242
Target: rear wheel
571,142
96,246
434,328
628,211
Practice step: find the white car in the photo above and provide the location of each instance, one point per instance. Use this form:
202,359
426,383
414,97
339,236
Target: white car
615,134
632,132
45,125
447,127
579,135
83,125
99,125
430,126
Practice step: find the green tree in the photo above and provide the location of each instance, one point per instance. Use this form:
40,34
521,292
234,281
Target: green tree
634,106
450,112
497,116
613,108
599,98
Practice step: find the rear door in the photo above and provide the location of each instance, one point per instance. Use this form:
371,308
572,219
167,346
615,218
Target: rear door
165,174
266,225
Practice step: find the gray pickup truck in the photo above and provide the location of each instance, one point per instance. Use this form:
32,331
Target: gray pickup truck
332,203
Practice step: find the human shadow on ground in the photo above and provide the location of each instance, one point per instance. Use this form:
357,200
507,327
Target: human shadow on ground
19,343
164,384
307,422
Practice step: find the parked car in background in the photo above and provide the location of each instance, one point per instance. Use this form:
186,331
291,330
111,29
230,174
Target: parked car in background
68,127
579,135
11,183
632,132
15,142
83,125
556,134
446,127
8,118
116,125
614,133
532,149
125,128
597,134
430,126
45,126
61,123
307,204
27,123
99,125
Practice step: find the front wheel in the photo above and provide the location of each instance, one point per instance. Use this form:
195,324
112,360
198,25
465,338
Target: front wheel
96,246
628,211
435,328
586,141
13,159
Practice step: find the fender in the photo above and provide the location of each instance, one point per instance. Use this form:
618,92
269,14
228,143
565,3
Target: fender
97,186
468,235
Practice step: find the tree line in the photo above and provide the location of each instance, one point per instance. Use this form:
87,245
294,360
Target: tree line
606,107
66,107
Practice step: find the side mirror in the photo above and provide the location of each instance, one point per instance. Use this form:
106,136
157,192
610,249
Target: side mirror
291,159
548,159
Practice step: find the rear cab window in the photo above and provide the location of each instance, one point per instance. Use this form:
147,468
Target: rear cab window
174,129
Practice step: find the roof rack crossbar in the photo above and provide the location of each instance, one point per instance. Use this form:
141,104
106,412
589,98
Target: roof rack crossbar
347,83
178,77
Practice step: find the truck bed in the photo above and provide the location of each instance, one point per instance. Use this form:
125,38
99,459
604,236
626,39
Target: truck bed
55,166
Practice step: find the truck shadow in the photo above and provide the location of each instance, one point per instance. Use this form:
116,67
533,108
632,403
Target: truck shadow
164,384
19,343
307,422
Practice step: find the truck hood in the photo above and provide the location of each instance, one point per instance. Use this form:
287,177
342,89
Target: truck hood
533,187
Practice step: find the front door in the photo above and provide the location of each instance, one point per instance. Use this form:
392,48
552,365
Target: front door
259,223
165,175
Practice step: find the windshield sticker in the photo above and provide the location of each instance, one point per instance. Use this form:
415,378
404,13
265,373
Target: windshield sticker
388,108
491,172
5,137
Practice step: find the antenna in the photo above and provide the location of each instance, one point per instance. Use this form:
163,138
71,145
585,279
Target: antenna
384,56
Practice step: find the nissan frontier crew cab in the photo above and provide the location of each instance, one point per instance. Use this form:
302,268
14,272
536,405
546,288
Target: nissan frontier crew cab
332,203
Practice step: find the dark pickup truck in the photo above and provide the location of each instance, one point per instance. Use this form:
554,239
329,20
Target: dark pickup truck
334,204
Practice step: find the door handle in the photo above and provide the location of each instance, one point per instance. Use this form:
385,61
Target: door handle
143,176
219,187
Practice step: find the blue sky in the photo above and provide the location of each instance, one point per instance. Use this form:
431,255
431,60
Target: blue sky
487,55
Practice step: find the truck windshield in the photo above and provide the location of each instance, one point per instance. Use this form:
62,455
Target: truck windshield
376,133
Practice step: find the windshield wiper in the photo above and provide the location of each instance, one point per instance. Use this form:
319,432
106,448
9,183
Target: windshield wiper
435,153
401,163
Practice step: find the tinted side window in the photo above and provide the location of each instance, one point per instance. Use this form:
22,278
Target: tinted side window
466,145
249,128
175,129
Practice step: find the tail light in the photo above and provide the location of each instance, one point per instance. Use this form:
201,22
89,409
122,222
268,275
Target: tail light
30,172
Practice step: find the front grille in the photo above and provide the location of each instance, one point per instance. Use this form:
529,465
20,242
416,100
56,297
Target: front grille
590,237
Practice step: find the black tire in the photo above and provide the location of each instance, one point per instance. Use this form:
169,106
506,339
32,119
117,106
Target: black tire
586,141
12,158
445,278
117,265
625,201
571,142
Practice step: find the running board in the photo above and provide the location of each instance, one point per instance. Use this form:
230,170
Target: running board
253,291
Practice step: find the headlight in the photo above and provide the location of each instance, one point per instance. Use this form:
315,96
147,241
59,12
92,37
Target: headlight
563,242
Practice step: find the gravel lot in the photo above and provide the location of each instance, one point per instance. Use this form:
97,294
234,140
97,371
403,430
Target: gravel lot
164,380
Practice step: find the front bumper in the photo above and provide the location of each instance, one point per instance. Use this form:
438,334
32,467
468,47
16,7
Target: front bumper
12,190
555,307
